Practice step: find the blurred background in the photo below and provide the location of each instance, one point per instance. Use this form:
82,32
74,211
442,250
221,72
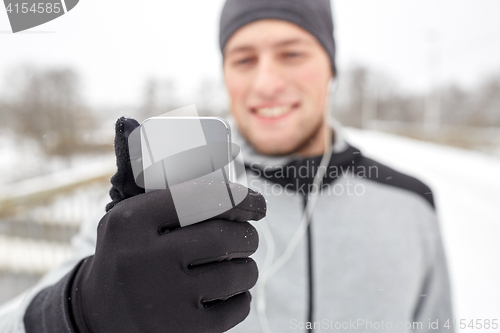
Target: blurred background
419,89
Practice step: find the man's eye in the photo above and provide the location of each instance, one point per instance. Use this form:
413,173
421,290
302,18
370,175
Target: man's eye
293,54
244,61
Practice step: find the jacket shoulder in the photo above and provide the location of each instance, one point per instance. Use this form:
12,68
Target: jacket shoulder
390,177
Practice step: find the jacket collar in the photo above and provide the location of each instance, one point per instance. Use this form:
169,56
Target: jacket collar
298,172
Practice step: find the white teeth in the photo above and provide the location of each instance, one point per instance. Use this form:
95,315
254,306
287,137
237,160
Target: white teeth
274,111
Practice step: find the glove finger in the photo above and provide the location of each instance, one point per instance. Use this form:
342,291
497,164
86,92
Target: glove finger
252,208
225,279
225,315
213,241
197,201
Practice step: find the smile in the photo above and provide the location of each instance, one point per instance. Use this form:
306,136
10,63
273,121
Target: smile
274,111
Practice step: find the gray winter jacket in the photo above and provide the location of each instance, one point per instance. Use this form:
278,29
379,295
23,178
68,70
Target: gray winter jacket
371,260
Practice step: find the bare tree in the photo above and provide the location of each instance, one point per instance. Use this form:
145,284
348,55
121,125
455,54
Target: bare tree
45,105
159,96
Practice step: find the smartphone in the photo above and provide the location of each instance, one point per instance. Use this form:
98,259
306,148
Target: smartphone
179,149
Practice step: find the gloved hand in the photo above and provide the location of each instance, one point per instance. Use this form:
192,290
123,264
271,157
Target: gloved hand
148,275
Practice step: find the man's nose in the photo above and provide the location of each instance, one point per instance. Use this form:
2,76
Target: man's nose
268,81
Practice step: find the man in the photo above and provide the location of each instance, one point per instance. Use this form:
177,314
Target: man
371,257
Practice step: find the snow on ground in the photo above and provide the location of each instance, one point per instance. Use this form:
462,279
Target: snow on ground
30,256
466,187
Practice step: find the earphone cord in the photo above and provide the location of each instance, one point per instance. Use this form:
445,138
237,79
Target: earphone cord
304,224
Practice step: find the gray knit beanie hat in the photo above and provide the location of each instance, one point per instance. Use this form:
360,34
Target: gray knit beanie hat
315,16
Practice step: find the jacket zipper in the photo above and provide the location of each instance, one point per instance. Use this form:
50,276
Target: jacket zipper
310,266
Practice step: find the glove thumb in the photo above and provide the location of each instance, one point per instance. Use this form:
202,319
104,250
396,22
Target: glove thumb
123,182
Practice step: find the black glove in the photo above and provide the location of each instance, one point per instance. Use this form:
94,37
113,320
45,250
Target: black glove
149,275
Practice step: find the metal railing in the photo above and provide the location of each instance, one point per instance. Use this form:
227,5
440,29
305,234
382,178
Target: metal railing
38,218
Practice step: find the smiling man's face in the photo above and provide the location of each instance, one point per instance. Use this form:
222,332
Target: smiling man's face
277,77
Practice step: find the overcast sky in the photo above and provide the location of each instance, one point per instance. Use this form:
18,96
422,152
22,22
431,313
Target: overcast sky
115,45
